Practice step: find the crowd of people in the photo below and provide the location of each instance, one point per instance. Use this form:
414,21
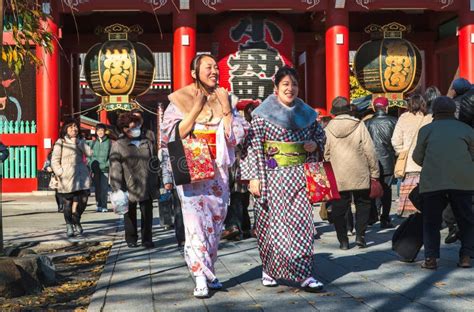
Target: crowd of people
259,157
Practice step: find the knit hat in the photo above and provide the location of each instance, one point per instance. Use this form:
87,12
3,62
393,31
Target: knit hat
461,86
443,105
380,102
340,105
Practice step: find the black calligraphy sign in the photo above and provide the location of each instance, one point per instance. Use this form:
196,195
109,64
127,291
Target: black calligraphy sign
256,62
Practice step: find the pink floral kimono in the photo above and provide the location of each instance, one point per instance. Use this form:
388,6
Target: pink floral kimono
204,204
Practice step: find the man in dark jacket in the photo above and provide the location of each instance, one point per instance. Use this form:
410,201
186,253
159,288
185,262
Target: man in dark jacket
444,181
381,128
463,96
463,93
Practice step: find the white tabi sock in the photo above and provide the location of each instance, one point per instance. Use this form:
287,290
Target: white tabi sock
201,282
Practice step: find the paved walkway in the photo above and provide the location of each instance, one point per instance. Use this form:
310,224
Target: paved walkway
158,280
358,279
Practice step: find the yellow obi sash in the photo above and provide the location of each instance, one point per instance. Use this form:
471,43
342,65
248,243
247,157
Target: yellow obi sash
284,154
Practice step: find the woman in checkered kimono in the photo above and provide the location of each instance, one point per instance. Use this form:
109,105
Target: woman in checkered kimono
283,135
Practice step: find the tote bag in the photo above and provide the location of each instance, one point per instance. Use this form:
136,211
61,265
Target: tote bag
321,183
190,159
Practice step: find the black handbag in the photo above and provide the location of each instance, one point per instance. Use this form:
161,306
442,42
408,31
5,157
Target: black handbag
179,166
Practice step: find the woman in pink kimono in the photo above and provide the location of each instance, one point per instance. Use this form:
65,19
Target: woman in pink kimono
205,110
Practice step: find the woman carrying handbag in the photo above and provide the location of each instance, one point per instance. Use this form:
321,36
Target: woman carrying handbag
351,152
202,111
403,142
283,138
67,162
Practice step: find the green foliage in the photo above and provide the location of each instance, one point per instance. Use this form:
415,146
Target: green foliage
356,90
27,31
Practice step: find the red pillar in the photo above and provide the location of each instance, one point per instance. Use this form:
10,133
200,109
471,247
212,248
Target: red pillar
337,55
184,47
315,78
47,96
466,43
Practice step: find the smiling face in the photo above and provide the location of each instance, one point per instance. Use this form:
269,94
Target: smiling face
287,90
72,131
100,132
207,72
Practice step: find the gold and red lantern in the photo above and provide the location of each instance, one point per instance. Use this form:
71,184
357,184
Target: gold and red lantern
120,68
388,65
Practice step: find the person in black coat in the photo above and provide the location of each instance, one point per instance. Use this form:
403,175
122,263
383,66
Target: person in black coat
4,153
381,127
463,96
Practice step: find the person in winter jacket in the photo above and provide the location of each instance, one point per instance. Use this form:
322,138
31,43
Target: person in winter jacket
351,152
462,93
446,181
403,139
99,164
134,168
381,128
69,166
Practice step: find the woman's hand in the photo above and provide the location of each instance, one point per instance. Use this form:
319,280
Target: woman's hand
168,186
310,146
223,97
254,188
199,99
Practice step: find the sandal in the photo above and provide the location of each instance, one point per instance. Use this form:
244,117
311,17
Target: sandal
214,284
269,282
312,285
201,293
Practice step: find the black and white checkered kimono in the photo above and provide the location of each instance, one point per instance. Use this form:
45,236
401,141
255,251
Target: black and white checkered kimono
284,227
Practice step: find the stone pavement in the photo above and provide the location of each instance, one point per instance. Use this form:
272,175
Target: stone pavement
34,219
158,280
358,279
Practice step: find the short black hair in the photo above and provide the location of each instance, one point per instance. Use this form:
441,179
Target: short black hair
100,126
285,71
431,93
248,111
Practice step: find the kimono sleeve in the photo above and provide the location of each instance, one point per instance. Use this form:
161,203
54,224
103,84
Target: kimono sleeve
252,161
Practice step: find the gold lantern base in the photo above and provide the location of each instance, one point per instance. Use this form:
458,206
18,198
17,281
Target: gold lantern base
117,102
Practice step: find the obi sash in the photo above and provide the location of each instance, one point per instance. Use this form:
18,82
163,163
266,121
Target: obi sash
284,154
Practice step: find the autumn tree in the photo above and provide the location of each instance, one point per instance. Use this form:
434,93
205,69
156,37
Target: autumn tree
25,22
